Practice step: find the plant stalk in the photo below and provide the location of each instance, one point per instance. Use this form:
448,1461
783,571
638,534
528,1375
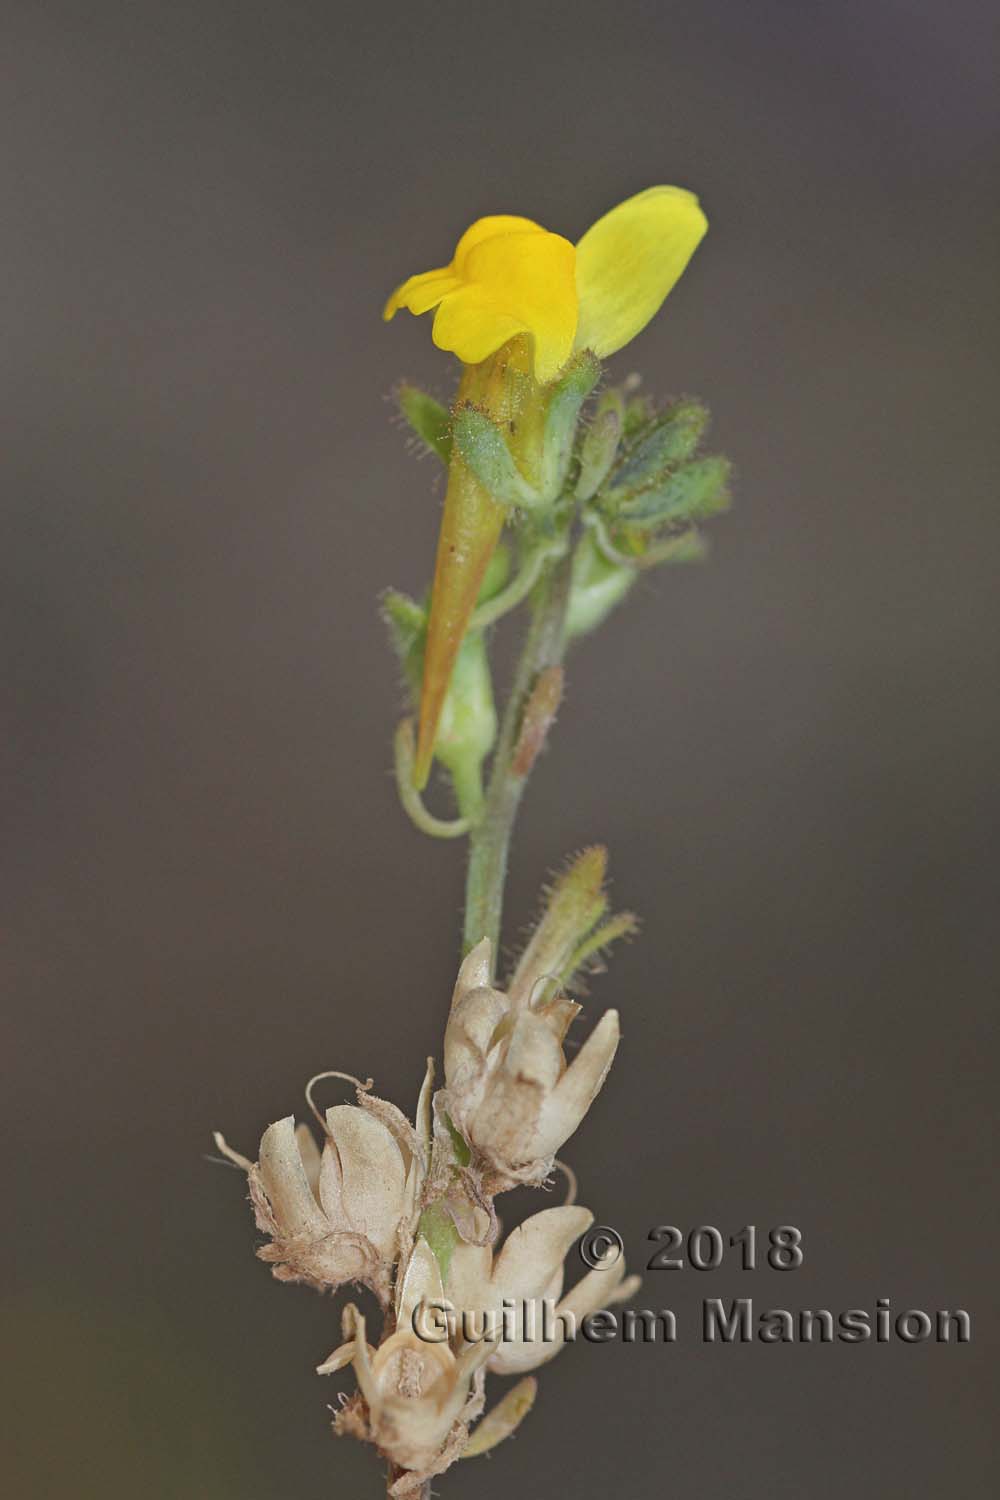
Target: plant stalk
489,842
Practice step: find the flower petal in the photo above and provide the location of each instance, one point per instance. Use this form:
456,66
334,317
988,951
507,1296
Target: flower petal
516,282
469,1286
599,1288
286,1183
425,290
527,1344
629,260
505,1124
419,1162
508,276
534,1252
475,971
503,1419
577,1089
420,1282
310,1155
476,1010
374,1173
486,229
420,293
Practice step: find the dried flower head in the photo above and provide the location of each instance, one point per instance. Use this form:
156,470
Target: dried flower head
509,1089
525,1282
418,1393
341,1214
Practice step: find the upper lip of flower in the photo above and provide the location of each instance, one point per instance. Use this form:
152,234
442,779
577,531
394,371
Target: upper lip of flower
527,1269
510,276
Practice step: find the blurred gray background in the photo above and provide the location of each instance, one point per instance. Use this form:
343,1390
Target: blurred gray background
209,890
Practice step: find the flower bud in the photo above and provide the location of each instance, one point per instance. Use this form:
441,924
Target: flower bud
695,492
600,444
666,441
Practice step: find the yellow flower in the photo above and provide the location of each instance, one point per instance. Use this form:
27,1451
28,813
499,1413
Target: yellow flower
514,305
510,276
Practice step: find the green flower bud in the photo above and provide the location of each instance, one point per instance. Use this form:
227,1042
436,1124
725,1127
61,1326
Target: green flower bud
600,445
468,724
694,492
638,414
670,439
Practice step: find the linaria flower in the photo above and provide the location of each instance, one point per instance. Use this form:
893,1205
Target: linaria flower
515,304
332,1216
509,1089
418,1394
509,276
519,1289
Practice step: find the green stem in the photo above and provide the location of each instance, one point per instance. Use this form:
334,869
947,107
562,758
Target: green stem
519,588
467,780
489,842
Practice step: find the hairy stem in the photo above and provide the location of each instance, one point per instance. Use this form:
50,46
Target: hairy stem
395,1472
489,842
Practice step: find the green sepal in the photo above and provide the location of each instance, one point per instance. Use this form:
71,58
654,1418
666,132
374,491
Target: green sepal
667,441
561,417
638,414
484,449
460,1146
636,550
573,929
599,448
406,621
689,547
438,1228
428,419
588,955
693,493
